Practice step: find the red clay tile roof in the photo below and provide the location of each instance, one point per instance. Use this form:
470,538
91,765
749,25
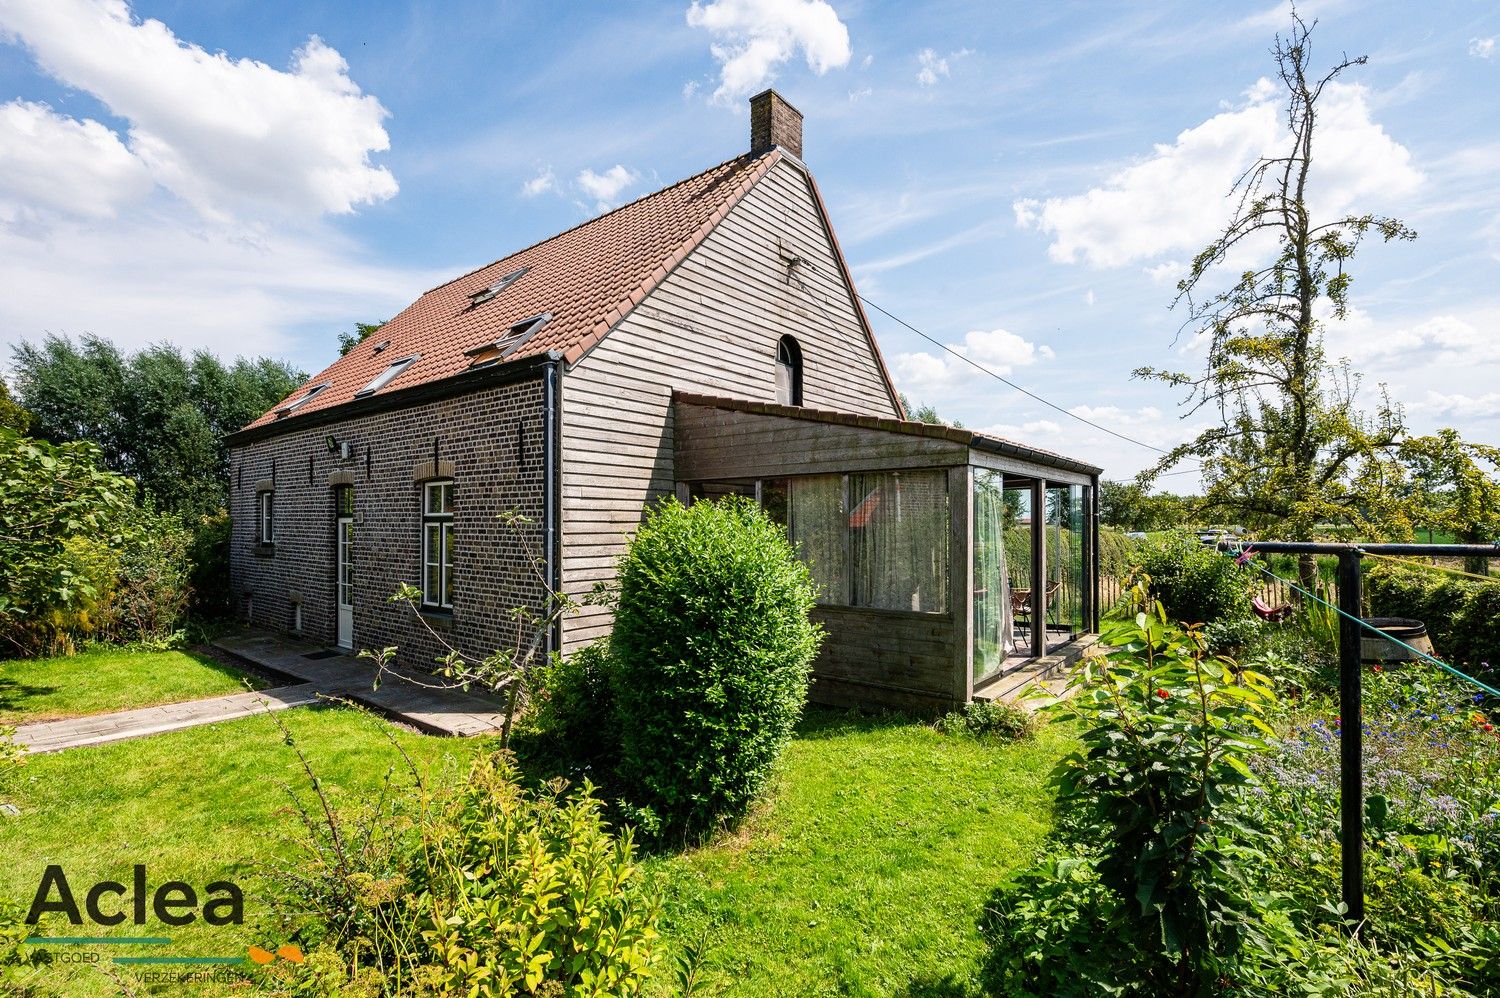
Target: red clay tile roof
588,278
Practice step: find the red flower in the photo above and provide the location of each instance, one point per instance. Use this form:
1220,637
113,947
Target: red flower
1163,694
1377,668
1489,727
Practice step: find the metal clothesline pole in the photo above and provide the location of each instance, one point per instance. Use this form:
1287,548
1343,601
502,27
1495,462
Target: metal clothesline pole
1351,695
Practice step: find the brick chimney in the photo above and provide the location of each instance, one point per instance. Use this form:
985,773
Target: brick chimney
773,123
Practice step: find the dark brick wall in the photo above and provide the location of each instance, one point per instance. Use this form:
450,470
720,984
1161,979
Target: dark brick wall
496,470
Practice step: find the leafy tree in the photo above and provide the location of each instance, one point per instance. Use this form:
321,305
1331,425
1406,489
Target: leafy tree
1455,487
362,331
926,414
13,416
156,415
1291,450
1130,506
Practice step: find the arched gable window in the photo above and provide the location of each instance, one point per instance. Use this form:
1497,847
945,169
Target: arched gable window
788,372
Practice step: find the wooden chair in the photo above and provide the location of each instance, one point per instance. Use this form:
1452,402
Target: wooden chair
1020,613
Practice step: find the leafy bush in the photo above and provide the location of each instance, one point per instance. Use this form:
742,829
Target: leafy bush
1000,720
570,726
61,516
1196,584
1231,634
480,888
1460,614
209,557
150,596
712,650
1116,552
1168,859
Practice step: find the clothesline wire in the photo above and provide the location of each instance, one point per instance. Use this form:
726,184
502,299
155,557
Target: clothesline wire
1024,391
1242,556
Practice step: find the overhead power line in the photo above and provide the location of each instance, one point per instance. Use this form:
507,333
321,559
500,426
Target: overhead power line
1024,391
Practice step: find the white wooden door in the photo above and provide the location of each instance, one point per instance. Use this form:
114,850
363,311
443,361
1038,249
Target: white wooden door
345,584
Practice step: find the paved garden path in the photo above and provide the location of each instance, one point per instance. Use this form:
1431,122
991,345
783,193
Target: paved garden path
313,673
435,711
97,729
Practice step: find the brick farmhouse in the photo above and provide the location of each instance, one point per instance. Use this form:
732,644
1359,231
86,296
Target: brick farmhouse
700,341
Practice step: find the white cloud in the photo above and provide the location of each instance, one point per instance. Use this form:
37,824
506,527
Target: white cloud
544,182
159,273
1028,431
689,89
928,375
1175,199
198,219
1482,48
1089,298
1457,406
606,187
1168,272
858,95
754,37
59,163
1442,340
932,66
229,136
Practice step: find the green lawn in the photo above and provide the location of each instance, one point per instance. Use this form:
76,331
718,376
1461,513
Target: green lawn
198,805
866,873
94,682
869,871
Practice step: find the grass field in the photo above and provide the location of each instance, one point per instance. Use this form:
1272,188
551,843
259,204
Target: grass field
866,872
198,805
869,871
45,689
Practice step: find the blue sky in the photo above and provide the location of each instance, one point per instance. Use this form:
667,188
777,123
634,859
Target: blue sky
1021,181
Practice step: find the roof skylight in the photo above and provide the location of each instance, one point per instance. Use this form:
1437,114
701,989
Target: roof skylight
485,294
388,375
489,353
290,407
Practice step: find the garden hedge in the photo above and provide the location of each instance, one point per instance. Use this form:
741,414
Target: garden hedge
1460,614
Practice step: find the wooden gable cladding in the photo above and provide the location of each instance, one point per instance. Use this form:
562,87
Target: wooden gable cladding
714,442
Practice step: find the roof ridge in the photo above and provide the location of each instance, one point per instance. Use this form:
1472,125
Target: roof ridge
596,218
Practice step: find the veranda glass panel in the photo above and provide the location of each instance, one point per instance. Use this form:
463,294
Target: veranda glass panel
1064,531
992,611
818,526
898,522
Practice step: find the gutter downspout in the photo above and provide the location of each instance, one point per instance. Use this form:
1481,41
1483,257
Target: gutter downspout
552,486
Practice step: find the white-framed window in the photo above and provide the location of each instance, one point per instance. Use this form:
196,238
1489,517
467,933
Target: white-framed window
390,374
267,511
437,544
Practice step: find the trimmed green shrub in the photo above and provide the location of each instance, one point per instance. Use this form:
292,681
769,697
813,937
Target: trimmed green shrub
1460,613
1195,583
997,720
711,654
